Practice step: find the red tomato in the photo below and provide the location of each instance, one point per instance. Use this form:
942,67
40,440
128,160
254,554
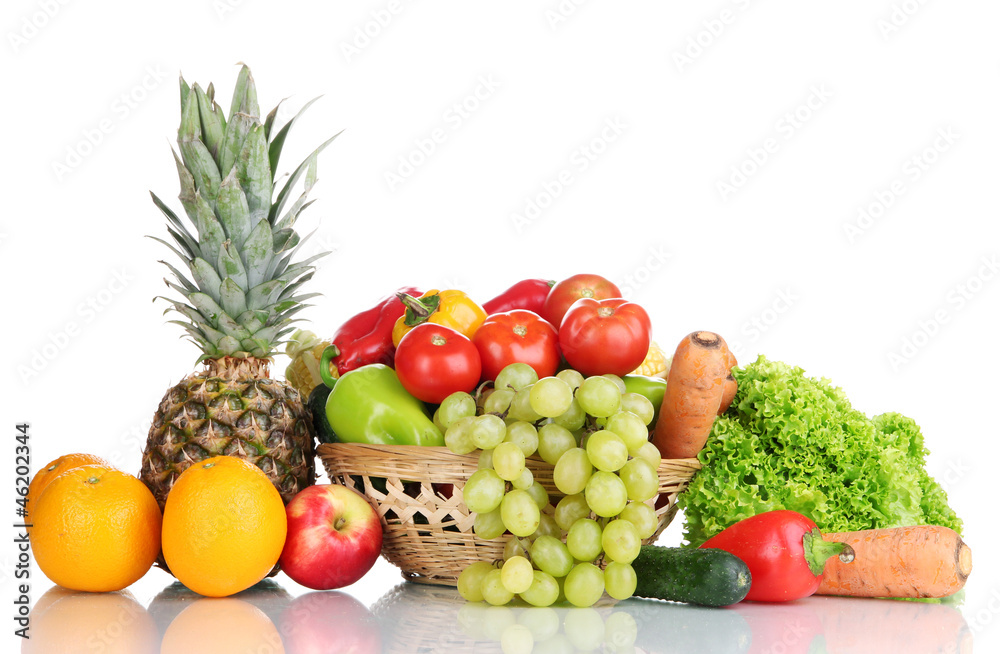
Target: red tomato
517,336
600,337
434,361
571,289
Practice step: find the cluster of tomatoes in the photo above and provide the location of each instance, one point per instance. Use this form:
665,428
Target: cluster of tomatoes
581,322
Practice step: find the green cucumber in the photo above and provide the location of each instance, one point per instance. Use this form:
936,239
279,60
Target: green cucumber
709,577
317,405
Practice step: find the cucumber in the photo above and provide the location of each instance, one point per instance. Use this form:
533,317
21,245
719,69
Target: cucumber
709,577
317,405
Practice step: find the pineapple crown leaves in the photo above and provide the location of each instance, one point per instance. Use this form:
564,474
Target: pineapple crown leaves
242,288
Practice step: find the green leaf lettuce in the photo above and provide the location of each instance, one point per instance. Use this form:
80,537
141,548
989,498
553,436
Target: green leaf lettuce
794,442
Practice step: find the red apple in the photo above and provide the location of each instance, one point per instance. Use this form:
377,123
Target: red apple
334,537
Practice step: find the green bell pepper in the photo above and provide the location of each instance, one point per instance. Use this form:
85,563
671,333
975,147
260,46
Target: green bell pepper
370,405
652,388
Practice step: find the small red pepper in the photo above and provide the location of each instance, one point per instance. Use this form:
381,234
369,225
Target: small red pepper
367,337
528,294
785,552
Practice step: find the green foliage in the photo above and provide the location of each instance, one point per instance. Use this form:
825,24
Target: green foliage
794,442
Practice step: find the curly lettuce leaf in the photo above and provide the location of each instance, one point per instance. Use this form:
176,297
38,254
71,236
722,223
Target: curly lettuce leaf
794,442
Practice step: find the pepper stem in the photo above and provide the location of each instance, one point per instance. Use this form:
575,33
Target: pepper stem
418,310
818,551
330,352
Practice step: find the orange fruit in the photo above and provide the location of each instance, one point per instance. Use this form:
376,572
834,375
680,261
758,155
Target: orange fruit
70,621
224,526
221,625
96,529
55,468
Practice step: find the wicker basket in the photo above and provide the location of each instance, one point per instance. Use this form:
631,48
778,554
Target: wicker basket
428,534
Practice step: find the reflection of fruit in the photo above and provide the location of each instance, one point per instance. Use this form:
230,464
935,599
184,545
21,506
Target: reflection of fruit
266,595
168,604
223,526
324,622
428,618
55,468
68,621
221,626
96,529
334,537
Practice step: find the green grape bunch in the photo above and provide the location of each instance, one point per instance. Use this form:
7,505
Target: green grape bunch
579,545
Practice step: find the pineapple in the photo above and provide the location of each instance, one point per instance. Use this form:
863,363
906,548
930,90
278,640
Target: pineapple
239,293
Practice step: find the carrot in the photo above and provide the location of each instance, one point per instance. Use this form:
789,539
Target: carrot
693,396
729,386
924,561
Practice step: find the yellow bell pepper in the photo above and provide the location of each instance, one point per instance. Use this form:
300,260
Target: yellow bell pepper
450,308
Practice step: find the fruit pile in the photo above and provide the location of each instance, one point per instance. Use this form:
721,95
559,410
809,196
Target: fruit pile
226,494
224,528
229,446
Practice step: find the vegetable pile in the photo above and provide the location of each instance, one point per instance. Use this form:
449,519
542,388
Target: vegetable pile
799,493
789,441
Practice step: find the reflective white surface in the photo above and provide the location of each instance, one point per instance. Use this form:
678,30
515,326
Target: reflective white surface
158,615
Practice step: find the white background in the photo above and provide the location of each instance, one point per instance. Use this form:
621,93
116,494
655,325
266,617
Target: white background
887,108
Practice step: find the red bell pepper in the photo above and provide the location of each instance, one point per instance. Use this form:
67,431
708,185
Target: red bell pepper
528,294
785,552
367,337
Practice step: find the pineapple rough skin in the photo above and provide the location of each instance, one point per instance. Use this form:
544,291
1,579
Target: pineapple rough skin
262,420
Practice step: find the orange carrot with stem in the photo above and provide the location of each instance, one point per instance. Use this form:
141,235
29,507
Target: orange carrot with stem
691,402
924,561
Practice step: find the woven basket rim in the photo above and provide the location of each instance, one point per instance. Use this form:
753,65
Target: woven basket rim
428,532
440,452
